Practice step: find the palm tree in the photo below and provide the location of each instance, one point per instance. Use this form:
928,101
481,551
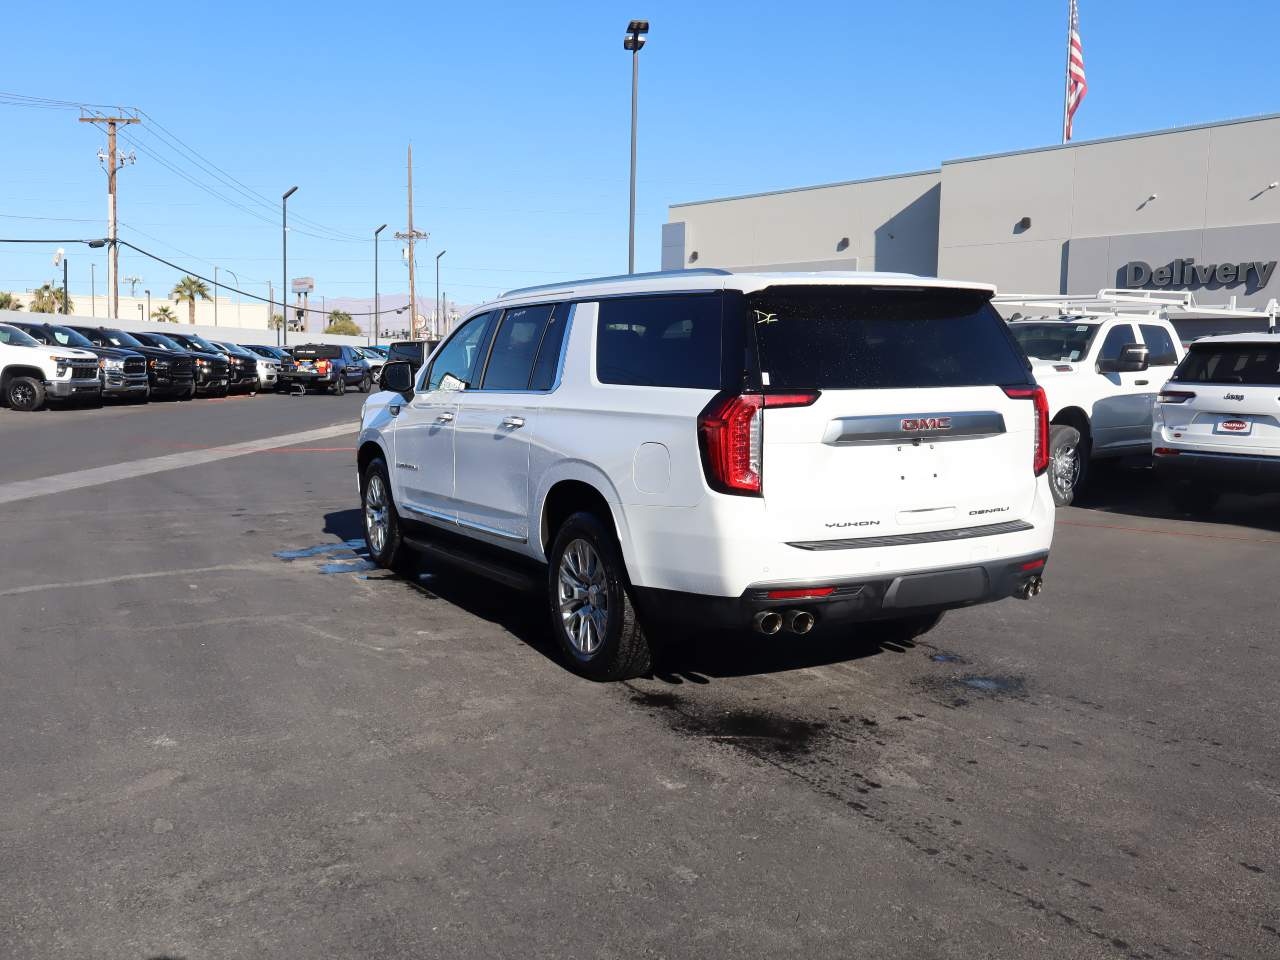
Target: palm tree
48,299
10,301
190,289
164,315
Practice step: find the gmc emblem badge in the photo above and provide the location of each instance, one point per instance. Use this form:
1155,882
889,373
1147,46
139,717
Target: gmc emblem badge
916,424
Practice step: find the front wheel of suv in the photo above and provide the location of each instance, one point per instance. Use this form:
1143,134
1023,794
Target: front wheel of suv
365,382
1068,463
592,616
381,522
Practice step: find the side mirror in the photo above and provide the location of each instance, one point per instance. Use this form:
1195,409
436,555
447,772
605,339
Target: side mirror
398,376
1134,358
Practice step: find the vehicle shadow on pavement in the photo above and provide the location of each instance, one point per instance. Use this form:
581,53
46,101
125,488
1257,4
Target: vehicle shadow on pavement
1134,491
685,655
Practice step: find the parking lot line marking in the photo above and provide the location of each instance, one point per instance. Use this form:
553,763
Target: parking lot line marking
105,581
1166,533
96,476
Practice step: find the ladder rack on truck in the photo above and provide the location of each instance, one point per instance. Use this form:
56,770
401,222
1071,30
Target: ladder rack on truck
1111,301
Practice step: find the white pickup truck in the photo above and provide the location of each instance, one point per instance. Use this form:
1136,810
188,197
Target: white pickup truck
30,371
1101,373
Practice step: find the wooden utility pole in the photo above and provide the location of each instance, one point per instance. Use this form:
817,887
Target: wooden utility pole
113,252
412,235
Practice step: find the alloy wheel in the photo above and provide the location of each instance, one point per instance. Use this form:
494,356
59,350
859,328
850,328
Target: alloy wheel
584,598
22,396
1064,471
376,514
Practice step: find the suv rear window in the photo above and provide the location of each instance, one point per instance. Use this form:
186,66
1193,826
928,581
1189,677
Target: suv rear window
663,341
1226,363
322,351
865,338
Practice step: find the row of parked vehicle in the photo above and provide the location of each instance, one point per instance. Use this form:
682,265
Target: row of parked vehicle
42,361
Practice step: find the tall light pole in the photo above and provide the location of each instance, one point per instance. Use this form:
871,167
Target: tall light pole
93,292
148,293
439,318
283,339
215,295
215,300
634,41
376,315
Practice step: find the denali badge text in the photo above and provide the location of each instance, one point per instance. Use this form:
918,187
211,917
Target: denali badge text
978,513
916,424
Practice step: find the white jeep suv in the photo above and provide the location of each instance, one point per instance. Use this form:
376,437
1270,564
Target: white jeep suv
30,371
1217,421
752,451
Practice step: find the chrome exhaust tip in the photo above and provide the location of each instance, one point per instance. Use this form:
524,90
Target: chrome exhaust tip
800,621
1031,588
768,622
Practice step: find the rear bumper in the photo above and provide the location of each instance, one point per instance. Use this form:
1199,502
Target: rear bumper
1245,473
882,597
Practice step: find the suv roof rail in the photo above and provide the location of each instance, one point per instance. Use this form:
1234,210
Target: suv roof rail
569,285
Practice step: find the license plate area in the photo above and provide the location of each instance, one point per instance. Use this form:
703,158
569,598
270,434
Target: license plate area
1233,427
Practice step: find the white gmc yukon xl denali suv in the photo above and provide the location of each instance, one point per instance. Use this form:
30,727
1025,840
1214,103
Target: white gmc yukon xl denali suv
763,452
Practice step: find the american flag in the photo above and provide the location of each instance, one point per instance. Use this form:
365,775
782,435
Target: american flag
1077,87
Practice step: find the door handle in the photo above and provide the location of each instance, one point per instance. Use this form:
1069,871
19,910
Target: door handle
1142,383
515,422
445,417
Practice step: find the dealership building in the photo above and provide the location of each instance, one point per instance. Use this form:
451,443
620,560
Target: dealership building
1193,208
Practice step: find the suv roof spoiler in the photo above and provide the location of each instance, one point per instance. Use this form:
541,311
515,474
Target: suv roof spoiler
569,285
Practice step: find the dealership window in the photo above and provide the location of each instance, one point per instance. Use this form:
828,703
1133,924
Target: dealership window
1163,352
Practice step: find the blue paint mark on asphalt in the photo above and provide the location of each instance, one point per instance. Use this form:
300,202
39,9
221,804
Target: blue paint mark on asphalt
945,658
316,551
985,684
348,566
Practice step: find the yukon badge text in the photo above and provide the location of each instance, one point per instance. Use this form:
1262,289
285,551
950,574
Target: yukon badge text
853,523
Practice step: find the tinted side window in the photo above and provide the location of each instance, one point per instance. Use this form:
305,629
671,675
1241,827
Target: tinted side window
1163,352
514,348
548,362
1118,337
664,341
455,365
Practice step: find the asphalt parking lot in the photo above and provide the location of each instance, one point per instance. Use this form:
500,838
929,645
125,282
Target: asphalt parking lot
225,735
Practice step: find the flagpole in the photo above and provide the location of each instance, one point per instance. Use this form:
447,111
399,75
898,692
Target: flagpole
1066,79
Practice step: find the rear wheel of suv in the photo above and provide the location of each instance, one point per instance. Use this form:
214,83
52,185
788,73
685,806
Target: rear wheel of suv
595,623
24,393
381,523
1068,463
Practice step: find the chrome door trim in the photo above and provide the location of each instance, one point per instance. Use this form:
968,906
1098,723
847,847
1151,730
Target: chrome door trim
492,531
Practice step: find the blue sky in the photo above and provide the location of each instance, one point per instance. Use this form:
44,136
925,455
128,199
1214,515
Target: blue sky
519,118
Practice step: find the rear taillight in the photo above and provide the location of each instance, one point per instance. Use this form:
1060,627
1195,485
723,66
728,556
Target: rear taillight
731,435
1175,396
803,593
322,366
1040,457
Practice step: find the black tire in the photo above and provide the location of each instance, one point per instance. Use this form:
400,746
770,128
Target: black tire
24,393
622,650
902,630
365,383
1193,498
340,385
1068,463
391,552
